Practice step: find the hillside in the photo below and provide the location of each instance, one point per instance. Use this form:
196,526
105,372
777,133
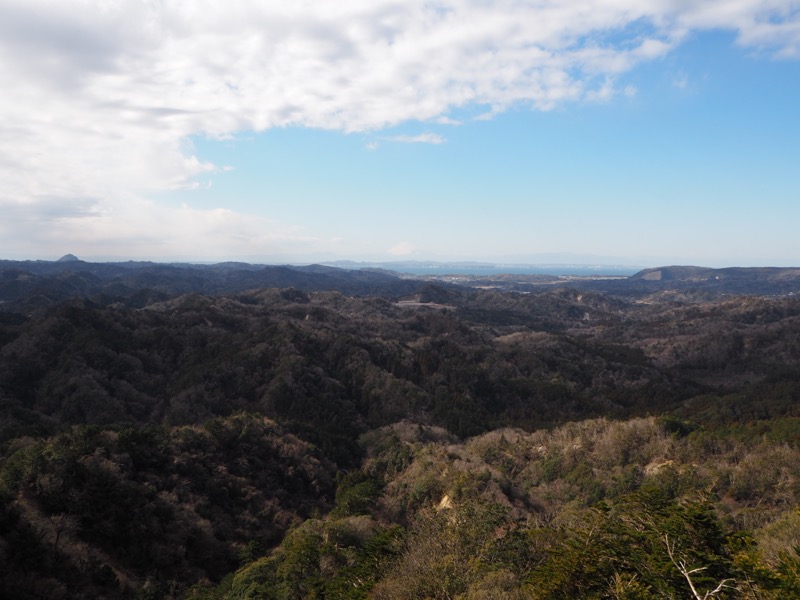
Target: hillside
659,284
288,443
29,285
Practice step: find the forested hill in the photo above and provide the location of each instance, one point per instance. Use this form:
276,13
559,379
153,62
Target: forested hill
28,285
469,443
661,283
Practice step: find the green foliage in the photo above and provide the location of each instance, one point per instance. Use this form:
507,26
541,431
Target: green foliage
627,544
788,571
199,496
391,456
447,552
356,495
339,558
251,551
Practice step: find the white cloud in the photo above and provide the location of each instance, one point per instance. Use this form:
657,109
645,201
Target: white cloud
422,138
402,249
141,228
101,97
680,81
603,93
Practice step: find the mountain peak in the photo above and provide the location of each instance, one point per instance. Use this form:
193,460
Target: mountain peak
68,258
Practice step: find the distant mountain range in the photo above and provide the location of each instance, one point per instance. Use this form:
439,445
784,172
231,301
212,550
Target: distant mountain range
26,285
755,281
419,267
687,283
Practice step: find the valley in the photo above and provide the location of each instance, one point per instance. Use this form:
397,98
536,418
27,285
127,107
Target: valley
360,435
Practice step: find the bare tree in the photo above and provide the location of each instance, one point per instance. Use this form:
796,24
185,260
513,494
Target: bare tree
687,574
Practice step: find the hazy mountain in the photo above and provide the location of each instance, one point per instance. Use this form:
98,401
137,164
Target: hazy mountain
26,285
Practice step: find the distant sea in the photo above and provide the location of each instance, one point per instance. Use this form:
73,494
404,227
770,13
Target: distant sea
555,270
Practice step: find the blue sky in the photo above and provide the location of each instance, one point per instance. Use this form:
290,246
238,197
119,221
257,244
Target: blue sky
667,135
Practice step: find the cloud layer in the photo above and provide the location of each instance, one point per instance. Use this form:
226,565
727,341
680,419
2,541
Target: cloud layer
101,96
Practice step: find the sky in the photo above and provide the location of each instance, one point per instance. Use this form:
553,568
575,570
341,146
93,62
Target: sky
641,132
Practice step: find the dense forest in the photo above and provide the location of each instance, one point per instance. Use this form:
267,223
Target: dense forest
281,442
